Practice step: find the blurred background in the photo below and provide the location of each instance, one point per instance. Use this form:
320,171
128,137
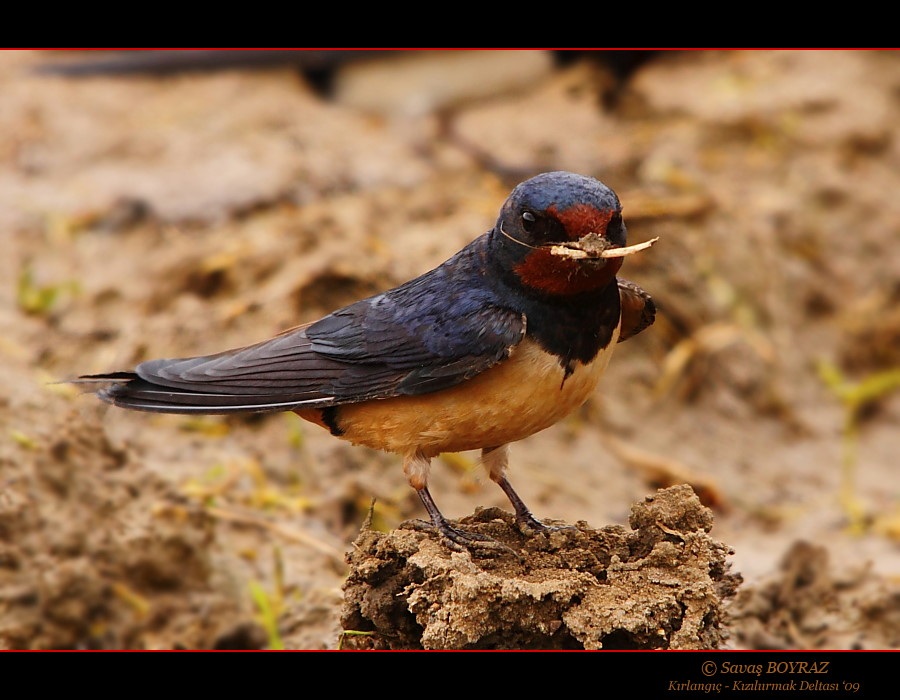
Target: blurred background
176,203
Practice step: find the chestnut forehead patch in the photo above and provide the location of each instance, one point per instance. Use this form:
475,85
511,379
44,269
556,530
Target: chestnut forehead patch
582,219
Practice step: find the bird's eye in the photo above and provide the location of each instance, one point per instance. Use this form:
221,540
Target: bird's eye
528,219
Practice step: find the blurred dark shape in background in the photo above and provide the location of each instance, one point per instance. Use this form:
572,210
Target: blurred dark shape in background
317,66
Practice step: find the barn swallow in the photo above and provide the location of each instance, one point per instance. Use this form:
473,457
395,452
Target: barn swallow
502,340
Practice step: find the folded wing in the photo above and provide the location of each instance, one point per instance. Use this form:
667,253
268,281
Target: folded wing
638,309
402,342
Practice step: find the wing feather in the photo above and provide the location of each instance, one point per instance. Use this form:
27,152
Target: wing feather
426,335
638,309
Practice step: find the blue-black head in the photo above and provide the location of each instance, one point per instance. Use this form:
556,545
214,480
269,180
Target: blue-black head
552,210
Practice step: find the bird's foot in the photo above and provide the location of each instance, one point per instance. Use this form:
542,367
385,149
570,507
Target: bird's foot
530,526
462,540
454,538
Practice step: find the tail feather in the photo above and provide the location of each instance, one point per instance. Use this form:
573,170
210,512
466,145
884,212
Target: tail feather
128,390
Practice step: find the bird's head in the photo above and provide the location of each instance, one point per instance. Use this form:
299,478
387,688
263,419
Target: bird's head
561,234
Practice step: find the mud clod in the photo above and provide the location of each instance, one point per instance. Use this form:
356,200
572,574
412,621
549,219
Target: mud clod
660,586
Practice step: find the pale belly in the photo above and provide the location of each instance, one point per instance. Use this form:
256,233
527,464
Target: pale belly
512,400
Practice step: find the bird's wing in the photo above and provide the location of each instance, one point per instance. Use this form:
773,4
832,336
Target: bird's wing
638,309
393,344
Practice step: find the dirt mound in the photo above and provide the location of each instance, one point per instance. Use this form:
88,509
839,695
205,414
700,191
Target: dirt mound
97,552
661,586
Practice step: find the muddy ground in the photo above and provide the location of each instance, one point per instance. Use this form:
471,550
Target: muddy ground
166,215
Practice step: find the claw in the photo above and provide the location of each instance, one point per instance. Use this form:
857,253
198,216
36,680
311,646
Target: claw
454,538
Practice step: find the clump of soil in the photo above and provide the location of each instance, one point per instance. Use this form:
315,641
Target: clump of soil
97,552
812,603
660,586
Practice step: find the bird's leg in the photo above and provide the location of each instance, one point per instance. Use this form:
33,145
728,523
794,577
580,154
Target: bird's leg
416,467
495,460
